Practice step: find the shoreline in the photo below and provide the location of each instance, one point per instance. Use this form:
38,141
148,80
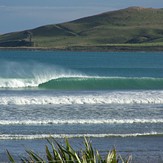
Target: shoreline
109,48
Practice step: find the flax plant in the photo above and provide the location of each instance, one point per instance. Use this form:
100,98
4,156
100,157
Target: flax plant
58,153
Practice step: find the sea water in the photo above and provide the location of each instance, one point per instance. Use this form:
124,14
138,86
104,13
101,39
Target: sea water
115,98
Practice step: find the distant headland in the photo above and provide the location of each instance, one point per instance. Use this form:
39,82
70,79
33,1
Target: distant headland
130,29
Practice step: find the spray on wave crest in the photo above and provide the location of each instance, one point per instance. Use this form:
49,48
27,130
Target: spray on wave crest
31,74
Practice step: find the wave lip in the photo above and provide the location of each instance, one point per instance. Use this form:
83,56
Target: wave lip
79,121
43,136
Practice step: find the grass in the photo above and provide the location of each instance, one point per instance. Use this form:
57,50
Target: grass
58,153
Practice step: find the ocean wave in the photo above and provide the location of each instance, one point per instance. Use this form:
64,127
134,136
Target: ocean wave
111,97
31,74
80,82
79,121
31,82
103,83
43,136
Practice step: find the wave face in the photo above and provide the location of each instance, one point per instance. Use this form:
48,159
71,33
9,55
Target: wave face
103,83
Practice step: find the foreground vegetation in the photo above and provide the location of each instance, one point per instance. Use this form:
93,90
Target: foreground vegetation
134,28
64,154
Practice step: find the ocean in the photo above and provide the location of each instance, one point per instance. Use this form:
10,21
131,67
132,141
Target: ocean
114,98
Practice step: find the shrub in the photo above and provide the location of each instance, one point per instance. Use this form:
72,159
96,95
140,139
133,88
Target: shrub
66,154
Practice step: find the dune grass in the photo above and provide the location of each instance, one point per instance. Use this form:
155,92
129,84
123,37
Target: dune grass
58,153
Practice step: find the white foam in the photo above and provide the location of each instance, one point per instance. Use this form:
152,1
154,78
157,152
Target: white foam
116,97
79,121
43,136
18,83
32,74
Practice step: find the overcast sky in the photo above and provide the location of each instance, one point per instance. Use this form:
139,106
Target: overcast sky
16,15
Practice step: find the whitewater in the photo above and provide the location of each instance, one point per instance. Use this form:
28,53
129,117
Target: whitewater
85,97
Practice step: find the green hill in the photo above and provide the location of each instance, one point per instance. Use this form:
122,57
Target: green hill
134,26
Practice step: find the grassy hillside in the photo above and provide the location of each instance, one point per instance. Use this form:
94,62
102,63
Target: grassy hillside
126,27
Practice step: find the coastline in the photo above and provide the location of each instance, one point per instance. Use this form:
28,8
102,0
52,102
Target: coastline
108,48
129,29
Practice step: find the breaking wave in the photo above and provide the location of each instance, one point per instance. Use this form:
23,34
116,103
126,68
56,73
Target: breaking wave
110,97
79,82
79,121
43,136
33,74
